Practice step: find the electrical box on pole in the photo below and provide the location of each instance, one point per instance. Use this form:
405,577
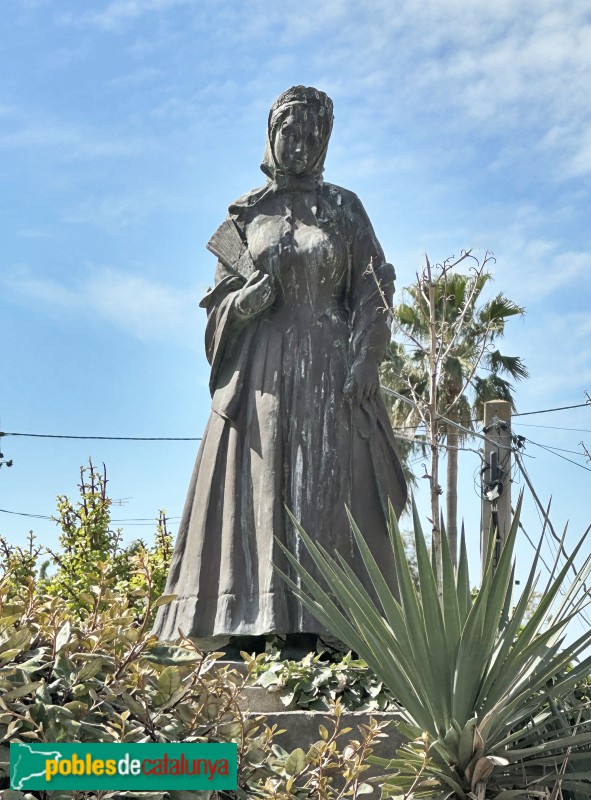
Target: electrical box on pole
496,477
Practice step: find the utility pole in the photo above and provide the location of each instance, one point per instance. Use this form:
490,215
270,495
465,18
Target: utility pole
496,477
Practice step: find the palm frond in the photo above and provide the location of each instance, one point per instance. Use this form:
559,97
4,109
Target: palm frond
510,365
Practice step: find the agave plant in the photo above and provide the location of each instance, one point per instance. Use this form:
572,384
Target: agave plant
483,688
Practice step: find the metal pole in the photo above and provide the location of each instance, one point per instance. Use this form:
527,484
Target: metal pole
496,477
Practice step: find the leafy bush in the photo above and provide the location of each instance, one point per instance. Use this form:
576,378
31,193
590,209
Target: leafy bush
316,684
104,678
78,663
325,772
90,552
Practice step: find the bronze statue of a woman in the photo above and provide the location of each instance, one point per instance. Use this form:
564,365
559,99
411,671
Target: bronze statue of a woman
295,333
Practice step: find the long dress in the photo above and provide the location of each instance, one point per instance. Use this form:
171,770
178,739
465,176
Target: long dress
282,433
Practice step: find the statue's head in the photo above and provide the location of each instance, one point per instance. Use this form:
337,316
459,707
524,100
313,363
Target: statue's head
299,127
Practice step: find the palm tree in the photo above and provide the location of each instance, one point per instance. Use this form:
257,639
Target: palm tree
448,341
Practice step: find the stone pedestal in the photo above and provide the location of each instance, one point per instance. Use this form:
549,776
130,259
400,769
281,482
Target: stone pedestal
301,727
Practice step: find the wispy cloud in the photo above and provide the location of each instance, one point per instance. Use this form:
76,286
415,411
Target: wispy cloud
35,233
145,309
553,344
534,265
115,14
519,69
117,212
31,4
68,139
136,77
470,68
63,57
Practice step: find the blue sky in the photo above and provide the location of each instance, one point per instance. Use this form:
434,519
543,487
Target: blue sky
126,129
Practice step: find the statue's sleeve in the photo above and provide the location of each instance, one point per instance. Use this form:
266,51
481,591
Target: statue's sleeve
218,303
228,340
371,289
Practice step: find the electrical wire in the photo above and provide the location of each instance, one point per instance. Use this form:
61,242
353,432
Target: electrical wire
530,540
441,445
386,389
538,503
558,455
143,520
23,514
107,438
128,521
547,410
561,449
440,417
547,526
554,428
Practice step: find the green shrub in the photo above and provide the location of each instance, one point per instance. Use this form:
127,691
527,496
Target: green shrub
105,678
78,663
315,684
91,552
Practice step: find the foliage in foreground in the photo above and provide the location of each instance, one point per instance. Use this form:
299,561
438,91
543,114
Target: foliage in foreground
316,685
486,695
90,551
106,679
78,663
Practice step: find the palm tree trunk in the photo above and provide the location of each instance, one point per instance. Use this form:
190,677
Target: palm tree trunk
452,492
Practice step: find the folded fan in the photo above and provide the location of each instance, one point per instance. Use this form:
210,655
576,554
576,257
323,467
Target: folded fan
228,244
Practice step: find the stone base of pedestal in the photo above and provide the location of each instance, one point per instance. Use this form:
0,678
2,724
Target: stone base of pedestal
300,728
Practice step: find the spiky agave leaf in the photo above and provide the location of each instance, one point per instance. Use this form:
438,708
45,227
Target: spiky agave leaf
473,676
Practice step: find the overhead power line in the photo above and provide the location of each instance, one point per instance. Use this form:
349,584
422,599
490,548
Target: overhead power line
547,522
548,410
554,427
128,521
107,438
559,449
518,413
441,418
22,514
199,438
559,455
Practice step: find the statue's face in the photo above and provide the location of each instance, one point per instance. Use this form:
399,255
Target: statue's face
297,142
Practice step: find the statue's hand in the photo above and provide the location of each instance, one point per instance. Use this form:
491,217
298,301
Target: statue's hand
257,294
363,381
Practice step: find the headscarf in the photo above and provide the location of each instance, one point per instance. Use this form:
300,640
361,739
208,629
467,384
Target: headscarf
320,104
